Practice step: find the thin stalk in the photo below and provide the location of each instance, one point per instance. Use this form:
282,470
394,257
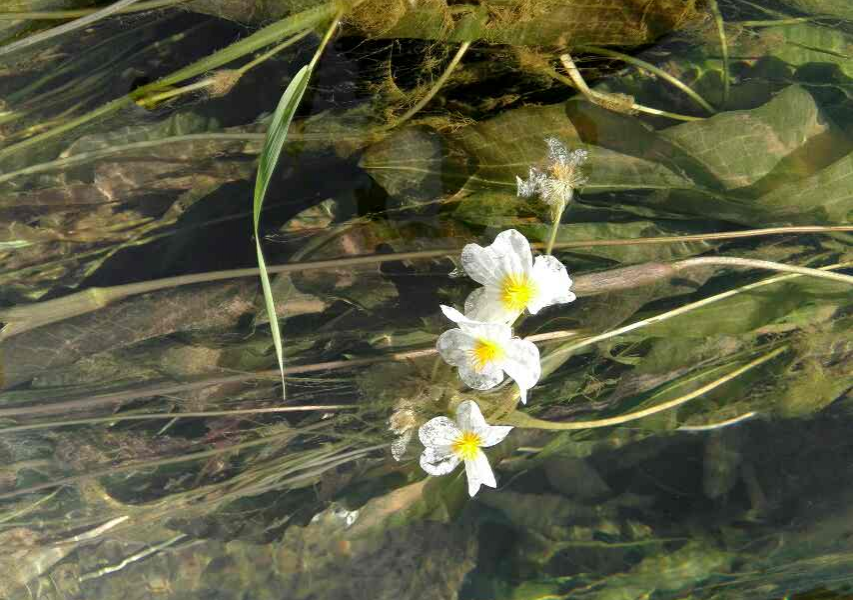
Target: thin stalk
724,49
433,90
760,264
608,101
61,15
150,550
766,9
211,82
720,424
555,227
294,24
153,100
693,94
131,44
80,23
24,318
269,54
172,416
141,465
523,420
27,509
775,22
125,468
165,389
686,309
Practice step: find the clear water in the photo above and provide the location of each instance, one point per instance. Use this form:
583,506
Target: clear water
146,448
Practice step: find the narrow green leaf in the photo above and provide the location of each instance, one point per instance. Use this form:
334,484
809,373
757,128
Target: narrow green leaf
276,135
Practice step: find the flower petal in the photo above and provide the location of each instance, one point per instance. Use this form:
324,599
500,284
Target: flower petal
557,151
453,314
455,347
533,185
469,417
509,254
476,328
484,304
439,460
514,251
553,283
438,432
522,364
486,379
483,265
479,472
494,434
500,333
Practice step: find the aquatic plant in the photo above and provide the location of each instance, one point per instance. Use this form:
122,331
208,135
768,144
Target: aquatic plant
449,443
688,429
512,280
484,351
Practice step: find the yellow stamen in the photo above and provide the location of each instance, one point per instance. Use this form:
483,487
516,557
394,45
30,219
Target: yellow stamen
486,352
516,292
467,445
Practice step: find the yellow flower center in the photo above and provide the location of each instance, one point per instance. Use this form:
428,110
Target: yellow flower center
486,352
517,291
467,445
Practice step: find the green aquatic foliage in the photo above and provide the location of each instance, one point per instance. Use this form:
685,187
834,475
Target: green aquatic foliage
742,148
269,157
738,493
835,8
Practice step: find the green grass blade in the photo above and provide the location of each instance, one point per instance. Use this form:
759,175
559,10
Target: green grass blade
276,135
292,25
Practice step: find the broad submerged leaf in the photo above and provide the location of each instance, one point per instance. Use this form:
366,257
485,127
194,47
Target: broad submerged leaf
742,147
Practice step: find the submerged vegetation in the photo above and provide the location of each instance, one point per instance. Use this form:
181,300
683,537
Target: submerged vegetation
689,163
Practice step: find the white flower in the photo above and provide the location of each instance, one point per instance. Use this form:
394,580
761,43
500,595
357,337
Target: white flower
448,443
563,176
512,280
485,351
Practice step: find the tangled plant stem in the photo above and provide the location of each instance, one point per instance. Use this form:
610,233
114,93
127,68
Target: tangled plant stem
176,415
693,94
724,49
616,102
211,83
519,419
433,90
80,23
293,25
507,405
687,308
60,15
23,318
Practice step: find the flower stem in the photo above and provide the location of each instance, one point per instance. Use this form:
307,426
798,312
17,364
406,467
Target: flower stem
687,308
761,264
555,227
520,419
23,318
